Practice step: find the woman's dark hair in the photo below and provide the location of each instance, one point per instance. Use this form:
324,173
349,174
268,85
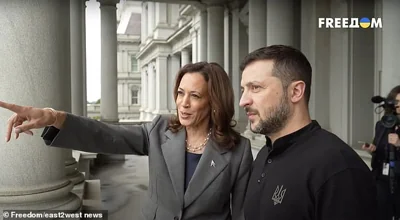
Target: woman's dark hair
392,96
221,101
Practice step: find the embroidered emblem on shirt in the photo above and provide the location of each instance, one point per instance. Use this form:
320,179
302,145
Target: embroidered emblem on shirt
212,163
278,194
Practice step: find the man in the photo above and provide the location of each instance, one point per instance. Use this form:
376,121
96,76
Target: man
303,171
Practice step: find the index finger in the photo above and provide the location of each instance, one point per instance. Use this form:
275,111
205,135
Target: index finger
12,107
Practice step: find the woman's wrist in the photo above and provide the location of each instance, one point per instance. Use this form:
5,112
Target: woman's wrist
58,118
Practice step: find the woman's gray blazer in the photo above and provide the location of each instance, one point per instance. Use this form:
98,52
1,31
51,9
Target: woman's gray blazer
216,190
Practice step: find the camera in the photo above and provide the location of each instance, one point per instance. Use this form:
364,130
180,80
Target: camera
390,119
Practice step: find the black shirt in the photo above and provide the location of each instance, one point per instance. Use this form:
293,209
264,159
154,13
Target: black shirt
310,175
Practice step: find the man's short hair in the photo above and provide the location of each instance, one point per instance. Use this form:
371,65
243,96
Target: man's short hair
290,65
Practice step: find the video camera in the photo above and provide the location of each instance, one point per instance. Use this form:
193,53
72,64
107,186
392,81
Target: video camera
390,119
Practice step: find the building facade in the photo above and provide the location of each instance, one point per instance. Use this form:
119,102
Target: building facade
350,65
128,79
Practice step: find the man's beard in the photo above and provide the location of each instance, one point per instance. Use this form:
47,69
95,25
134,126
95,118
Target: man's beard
276,120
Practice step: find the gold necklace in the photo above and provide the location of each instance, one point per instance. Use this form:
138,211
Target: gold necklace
191,148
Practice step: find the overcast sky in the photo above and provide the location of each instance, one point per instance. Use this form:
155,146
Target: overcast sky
93,50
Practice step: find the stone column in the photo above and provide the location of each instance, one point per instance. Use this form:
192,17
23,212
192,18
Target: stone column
33,175
144,23
77,79
257,34
227,41
161,88
238,51
203,36
215,34
173,69
144,98
281,28
185,59
315,46
109,96
150,19
151,91
83,11
193,33
109,69
257,24
390,76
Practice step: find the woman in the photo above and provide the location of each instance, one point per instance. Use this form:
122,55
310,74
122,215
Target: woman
379,150
198,164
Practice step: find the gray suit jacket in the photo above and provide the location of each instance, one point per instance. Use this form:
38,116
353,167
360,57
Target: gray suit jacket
215,192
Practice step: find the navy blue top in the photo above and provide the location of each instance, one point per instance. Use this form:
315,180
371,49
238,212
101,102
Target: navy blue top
191,163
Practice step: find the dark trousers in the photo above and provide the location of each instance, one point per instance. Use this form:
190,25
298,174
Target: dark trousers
387,204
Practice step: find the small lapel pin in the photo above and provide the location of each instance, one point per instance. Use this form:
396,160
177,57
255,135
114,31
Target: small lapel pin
212,163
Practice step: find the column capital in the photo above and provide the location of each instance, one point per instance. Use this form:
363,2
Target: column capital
108,2
236,4
210,3
193,31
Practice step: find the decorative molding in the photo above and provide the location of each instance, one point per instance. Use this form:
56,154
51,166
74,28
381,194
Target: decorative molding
112,3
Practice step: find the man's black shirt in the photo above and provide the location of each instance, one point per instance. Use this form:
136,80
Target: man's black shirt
311,175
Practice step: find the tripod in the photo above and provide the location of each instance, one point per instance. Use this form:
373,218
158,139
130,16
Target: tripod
393,175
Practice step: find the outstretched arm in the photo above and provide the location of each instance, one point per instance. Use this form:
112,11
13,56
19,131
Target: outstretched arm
81,133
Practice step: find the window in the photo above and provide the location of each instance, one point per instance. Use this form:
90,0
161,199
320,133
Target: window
134,96
134,64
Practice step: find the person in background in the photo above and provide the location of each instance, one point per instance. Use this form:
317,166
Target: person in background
199,165
303,171
388,205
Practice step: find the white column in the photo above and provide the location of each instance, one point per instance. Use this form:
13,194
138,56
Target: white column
215,34
83,11
77,59
77,79
314,44
227,41
173,69
161,13
109,97
257,24
281,28
33,175
185,59
144,23
238,51
151,91
361,75
203,45
338,72
199,47
193,33
144,98
257,34
161,106
150,19
390,76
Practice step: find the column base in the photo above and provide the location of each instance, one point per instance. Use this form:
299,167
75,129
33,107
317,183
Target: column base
149,115
142,116
71,170
48,198
161,112
110,121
